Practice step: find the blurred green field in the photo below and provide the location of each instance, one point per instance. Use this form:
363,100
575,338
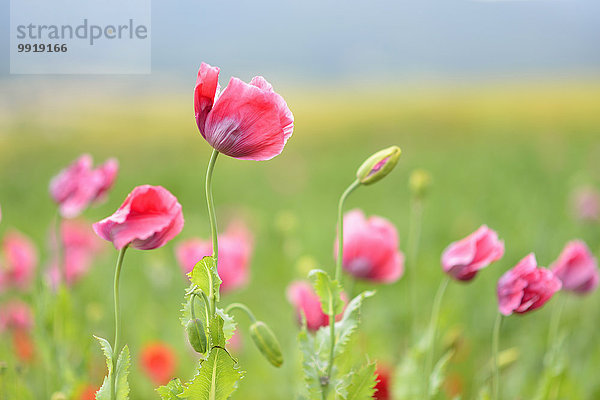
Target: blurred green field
504,155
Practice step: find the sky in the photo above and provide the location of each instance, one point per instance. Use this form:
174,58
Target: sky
366,40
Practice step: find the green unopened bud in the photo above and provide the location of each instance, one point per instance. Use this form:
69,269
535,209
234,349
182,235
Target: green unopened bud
419,182
264,338
196,335
378,165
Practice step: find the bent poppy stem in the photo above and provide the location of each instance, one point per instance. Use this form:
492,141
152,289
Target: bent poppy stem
113,392
213,219
243,307
338,272
414,236
350,189
432,330
495,351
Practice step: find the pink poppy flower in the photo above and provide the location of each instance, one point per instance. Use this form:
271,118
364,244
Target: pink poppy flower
526,287
371,248
235,251
79,247
79,185
16,315
108,173
20,261
463,259
245,121
306,302
586,204
576,268
149,218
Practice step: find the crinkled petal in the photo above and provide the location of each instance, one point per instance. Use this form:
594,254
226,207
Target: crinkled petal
246,122
204,93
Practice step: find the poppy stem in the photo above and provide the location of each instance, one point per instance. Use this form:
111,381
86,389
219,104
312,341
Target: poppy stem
414,236
213,220
495,352
432,330
113,392
210,202
338,272
243,307
350,189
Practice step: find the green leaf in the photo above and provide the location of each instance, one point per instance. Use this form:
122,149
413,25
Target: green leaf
123,363
121,372
171,391
216,379
362,383
315,350
229,324
314,363
215,331
105,390
205,276
329,292
436,379
343,328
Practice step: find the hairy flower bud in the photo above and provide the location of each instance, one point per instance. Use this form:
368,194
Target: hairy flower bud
419,183
197,335
264,338
378,165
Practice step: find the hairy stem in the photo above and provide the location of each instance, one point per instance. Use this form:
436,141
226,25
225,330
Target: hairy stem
117,321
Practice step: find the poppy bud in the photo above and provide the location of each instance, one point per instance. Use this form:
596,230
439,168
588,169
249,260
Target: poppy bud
419,182
196,335
378,165
267,343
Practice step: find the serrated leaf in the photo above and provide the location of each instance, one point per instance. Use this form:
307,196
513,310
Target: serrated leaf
313,365
229,324
362,383
216,379
104,393
171,391
343,328
329,292
215,331
122,370
436,379
123,363
186,311
205,276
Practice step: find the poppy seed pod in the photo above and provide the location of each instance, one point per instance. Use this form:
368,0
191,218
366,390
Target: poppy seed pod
378,165
197,335
264,338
